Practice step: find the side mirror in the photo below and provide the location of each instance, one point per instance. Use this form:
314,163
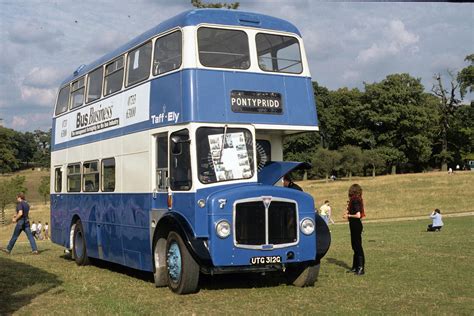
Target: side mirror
176,143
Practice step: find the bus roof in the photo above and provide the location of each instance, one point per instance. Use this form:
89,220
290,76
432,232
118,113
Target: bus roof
190,18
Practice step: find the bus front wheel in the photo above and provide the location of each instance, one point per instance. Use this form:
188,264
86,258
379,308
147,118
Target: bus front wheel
79,245
182,269
303,275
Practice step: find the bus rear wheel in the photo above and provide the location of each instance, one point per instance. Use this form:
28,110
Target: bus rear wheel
303,275
182,269
79,245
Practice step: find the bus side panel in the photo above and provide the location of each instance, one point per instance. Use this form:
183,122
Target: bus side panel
166,106
136,231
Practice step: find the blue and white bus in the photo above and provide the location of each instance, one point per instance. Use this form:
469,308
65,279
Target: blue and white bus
167,152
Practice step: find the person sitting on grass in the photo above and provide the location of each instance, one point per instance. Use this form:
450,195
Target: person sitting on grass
437,221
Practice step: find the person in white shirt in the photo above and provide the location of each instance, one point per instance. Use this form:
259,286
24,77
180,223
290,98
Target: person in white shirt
39,231
437,221
33,230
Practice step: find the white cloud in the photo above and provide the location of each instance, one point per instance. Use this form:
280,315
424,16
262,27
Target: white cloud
18,122
44,77
396,40
38,96
33,32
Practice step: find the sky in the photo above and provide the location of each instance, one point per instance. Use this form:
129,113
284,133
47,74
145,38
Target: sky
347,43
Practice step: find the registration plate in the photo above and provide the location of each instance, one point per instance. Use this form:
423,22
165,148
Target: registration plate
265,260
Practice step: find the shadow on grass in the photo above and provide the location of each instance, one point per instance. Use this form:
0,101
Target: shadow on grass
338,263
241,280
208,282
20,283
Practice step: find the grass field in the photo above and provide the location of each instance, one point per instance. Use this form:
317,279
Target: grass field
409,271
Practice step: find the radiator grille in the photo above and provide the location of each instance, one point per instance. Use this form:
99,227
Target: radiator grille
252,218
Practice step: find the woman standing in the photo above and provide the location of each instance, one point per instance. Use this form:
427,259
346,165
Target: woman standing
354,214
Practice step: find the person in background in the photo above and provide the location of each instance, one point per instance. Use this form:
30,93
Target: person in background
326,212
288,183
46,231
354,213
22,224
33,230
437,221
39,231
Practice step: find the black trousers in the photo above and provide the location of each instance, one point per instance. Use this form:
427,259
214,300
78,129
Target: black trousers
356,228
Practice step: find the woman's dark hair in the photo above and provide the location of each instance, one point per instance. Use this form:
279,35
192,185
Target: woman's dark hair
438,211
355,190
21,195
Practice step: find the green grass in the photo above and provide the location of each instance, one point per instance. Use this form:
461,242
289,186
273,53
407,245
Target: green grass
409,271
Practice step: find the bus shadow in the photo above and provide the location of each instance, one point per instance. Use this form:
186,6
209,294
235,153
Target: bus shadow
20,283
241,280
337,262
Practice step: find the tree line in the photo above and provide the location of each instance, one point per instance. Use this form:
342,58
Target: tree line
20,150
390,126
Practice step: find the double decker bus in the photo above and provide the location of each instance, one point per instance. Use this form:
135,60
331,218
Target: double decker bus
167,153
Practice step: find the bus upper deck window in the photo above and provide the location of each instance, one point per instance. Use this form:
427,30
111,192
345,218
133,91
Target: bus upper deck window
278,53
63,100
113,76
77,93
223,48
94,85
167,53
138,64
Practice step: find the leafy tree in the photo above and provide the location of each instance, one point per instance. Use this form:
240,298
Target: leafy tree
466,77
8,152
43,188
43,142
26,147
447,105
326,161
200,5
8,190
373,158
392,157
351,159
399,114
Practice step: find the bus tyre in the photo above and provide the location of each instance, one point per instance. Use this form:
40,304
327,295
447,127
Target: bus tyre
303,275
159,263
79,245
182,269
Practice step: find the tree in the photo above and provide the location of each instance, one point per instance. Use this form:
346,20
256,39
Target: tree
43,142
466,77
8,190
8,152
198,4
26,147
351,159
326,161
43,188
373,158
448,103
400,116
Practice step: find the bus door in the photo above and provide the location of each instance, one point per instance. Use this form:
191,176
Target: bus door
161,172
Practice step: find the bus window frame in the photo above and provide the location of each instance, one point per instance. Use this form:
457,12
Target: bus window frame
83,181
127,68
58,185
156,39
225,28
274,71
104,84
67,103
74,174
102,174
72,91
86,101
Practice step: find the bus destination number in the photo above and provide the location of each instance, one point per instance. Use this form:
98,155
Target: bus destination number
265,260
256,102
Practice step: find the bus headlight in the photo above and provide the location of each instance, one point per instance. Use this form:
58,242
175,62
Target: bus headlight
307,226
223,229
